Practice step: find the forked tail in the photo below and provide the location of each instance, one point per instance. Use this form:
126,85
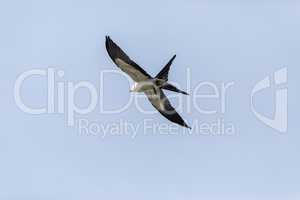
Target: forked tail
163,75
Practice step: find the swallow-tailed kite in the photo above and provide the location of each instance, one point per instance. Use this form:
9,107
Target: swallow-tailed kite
152,87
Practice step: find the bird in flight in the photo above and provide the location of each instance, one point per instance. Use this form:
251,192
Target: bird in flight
152,87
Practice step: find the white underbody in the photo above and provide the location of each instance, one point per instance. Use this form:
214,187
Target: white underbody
149,84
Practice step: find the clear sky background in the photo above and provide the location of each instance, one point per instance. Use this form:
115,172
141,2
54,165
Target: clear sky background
42,158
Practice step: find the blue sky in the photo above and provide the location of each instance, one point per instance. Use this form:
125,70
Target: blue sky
241,42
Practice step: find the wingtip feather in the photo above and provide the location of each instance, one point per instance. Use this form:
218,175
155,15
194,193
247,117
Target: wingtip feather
187,126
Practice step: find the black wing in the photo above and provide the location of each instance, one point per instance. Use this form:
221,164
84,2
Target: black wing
120,58
159,100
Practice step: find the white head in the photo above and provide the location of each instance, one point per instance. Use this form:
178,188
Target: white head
133,88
